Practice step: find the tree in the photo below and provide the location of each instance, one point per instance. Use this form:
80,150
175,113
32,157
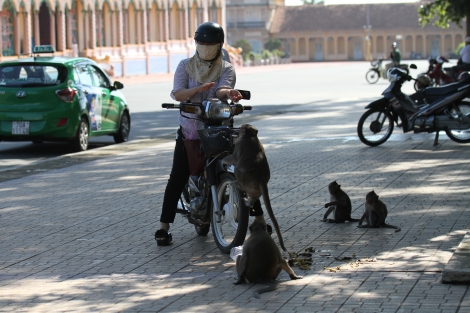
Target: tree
245,45
274,44
444,12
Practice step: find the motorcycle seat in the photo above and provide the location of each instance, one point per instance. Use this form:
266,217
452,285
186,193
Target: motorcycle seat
443,90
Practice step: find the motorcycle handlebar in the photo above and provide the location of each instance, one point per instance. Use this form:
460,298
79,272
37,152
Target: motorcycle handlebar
247,107
170,106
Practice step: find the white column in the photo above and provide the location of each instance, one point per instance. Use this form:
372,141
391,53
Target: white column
28,30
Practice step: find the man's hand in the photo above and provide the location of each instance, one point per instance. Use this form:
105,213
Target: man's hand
205,87
234,95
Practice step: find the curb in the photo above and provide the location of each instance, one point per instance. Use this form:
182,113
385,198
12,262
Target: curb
457,270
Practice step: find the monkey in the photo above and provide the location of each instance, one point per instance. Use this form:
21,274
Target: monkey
340,204
252,171
375,213
261,261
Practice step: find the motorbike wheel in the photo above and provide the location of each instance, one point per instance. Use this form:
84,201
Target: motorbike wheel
375,127
460,136
230,224
418,86
372,76
202,230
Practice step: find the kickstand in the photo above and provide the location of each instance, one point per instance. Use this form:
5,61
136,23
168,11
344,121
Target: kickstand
436,139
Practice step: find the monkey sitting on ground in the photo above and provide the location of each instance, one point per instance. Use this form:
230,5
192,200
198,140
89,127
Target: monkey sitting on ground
252,171
261,261
340,204
375,214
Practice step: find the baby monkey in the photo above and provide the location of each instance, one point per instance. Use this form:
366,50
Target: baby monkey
261,261
340,204
375,214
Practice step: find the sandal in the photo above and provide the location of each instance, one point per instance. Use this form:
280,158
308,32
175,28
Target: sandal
163,237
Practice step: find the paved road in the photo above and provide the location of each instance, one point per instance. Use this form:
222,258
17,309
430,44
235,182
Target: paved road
80,238
289,85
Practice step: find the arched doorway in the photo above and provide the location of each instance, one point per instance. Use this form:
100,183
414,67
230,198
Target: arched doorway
45,24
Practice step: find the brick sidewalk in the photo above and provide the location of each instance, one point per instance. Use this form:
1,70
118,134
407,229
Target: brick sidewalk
80,238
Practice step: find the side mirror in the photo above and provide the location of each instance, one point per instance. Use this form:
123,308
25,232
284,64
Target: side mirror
118,85
413,66
246,95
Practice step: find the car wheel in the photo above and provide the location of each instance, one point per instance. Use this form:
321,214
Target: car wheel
80,143
124,129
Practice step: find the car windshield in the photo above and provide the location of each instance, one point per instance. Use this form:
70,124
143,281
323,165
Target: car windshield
32,75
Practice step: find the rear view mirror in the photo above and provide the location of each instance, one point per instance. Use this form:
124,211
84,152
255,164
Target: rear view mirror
118,85
245,94
413,66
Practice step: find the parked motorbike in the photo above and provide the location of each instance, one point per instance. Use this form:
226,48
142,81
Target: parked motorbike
436,75
211,198
377,71
430,110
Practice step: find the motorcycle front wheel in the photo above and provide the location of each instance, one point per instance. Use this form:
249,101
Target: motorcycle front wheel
372,76
460,136
375,127
230,224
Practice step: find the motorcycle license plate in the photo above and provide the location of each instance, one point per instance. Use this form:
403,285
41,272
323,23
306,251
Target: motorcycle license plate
20,128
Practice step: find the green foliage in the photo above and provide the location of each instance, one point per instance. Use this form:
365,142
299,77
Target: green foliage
459,47
444,12
252,56
246,48
274,44
266,54
278,53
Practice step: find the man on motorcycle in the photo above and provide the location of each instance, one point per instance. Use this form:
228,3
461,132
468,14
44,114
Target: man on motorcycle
205,75
395,55
464,60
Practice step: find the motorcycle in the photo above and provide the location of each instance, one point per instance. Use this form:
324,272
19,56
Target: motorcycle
377,71
436,75
211,199
429,110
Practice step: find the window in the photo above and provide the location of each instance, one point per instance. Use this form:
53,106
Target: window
32,75
99,79
84,75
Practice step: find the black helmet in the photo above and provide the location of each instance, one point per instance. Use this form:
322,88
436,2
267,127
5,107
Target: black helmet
209,32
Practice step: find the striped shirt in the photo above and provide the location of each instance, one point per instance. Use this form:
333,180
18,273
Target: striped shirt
183,81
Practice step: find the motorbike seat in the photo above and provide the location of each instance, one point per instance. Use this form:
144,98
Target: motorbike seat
443,90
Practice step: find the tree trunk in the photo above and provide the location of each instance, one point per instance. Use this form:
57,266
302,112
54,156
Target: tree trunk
468,18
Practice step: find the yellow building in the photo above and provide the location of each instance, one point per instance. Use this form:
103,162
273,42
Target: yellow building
347,32
136,36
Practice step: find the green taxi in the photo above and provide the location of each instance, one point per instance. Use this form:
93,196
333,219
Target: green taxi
53,98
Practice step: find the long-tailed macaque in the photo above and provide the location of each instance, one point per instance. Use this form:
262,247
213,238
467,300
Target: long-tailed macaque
261,261
375,213
252,171
340,204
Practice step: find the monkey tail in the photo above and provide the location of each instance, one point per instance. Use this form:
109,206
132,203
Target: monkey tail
353,219
269,287
397,229
267,203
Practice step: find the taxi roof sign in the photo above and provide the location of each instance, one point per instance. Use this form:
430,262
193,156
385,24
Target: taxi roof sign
44,49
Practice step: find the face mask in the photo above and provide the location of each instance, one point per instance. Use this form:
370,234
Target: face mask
206,52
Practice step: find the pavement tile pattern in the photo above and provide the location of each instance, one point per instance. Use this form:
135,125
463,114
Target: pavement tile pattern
80,238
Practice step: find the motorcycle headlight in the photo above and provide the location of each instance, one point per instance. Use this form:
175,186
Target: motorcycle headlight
216,109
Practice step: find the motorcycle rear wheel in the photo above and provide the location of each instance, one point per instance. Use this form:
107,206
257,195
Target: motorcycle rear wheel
371,130
460,136
372,76
229,226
